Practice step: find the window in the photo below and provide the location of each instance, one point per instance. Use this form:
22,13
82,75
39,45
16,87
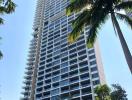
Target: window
64,59
57,33
96,82
45,23
69,28
38,96
49,51
40,73
57,40
93,69
73,56
42,63
74,79
73,73
92,57
48,81
72,51
56,62
73,67
95,75
64,64
65,82
56,44
56,52
56,73
72,46
81,47
55,92
83,64
80,42
49,55
49,60
57,78
56,48
56,57
64,29
56,67
64,76
64,45
93,62
64,40
86,91
55,85
48,70
55,98
64,70
91,51
73,61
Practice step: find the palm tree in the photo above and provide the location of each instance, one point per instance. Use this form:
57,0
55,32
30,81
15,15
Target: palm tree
102,92
95,13
6,7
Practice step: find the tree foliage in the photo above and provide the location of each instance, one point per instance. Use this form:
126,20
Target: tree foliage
95,13
6,7
118,93
103,92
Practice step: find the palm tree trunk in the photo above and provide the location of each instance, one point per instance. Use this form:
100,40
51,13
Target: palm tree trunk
123,42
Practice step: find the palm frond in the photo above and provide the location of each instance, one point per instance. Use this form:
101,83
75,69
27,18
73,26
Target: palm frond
78,25
1,21
116,1
2,9
1,55
125,18
124,5
10,7
84,16
95,26
77,5
96,10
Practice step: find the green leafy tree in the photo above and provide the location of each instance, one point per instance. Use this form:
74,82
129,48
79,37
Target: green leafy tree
118,93
102,92
6,7
95,13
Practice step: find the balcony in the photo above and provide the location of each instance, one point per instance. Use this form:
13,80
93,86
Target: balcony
29,72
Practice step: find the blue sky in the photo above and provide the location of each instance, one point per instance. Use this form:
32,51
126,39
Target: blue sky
16,34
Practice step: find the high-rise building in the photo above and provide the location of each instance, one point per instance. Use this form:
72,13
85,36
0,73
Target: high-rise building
56,69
